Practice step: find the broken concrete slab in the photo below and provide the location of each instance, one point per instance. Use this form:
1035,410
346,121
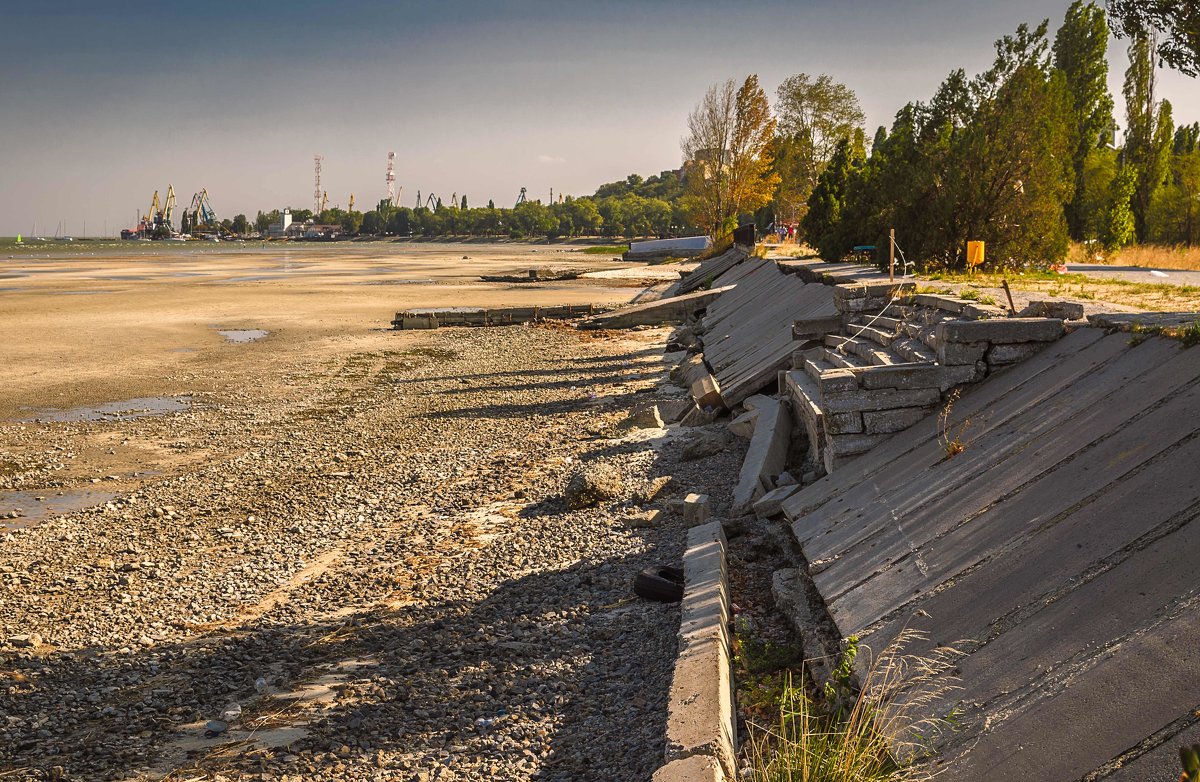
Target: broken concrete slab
767,454
676,309
743,425
771,503
1003,330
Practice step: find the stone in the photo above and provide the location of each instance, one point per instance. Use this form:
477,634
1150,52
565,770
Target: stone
1011,354
888,421
663,484
743,425
771,503
702,445
844,423
697,417
694,508
950,353
644,417
593,484
644,519
672,410
884,399
902,376
25,641
1000,330
785,478
1042,308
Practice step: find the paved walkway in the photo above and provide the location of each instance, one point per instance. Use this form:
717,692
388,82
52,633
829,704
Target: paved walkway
1136,273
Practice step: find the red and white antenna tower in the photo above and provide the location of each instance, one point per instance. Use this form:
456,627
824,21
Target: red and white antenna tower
391,178
317,185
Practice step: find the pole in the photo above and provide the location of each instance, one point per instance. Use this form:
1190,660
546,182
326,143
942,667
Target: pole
891,255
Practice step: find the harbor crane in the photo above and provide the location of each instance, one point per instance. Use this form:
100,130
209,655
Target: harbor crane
431,202
520,199
200,215
324,202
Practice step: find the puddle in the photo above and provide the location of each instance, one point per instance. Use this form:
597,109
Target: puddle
241,336
54,503
257,278
139,407
393,282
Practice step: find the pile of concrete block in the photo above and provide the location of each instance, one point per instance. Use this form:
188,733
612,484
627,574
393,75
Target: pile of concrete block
894,361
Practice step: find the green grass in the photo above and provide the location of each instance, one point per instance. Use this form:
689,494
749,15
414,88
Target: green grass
849,734
606,249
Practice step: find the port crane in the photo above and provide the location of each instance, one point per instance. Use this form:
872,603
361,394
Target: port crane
200,215
351,209
431,202
520,199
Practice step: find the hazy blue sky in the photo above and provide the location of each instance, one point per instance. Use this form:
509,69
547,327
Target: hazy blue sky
103,103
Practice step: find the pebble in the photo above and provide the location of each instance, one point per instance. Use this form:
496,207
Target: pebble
466,623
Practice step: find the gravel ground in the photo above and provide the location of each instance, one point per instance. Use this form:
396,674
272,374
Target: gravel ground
385,579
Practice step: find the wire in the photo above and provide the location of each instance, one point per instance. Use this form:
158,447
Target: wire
905,264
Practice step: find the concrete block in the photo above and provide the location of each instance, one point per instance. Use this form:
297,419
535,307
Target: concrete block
743,425
883,399
835,380
888,421
643,417
1004,330
1049,308
698,768
771,503
949,353
694,508
767,454
1000,355
901,376
812,327
852,444
700,709
672,410
844,423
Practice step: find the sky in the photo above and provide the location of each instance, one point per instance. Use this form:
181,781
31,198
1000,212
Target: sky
104,103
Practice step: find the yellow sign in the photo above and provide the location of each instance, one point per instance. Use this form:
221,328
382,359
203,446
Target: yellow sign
974,254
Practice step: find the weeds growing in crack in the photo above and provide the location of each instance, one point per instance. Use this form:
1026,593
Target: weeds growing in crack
878,736
951,438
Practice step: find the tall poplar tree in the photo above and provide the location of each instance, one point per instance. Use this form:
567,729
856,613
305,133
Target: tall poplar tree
1148,134
1080,52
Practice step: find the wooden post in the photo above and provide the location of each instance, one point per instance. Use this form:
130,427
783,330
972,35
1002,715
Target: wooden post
891,255
1011,307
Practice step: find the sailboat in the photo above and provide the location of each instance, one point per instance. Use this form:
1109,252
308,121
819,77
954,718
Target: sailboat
19,239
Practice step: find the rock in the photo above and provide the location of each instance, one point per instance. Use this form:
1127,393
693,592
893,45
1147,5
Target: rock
785,478
644,417
592,484
644,519
25,641
702,445
694,508
743,425
697,417
664,484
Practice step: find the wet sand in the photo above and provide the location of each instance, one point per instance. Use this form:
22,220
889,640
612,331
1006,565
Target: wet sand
82,329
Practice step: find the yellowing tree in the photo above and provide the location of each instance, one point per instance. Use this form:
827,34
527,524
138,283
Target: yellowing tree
727,157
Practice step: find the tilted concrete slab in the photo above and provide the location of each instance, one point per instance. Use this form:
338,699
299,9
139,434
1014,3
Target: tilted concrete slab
1057,551
748,331
673,310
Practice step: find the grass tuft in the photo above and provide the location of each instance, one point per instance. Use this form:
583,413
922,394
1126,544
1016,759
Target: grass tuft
606,249
877,737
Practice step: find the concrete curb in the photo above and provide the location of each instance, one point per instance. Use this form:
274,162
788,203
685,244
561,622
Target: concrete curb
701,724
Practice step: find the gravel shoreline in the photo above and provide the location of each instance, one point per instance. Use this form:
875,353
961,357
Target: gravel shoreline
385,579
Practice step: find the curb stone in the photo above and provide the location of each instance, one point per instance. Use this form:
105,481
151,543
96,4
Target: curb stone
701,725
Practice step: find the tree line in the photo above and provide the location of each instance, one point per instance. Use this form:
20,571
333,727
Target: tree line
1022,156
632,207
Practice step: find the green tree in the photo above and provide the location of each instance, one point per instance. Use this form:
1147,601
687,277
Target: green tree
1080,52
814,116
463,206
240,224
1119,220
1149,131
822,223
1177,20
